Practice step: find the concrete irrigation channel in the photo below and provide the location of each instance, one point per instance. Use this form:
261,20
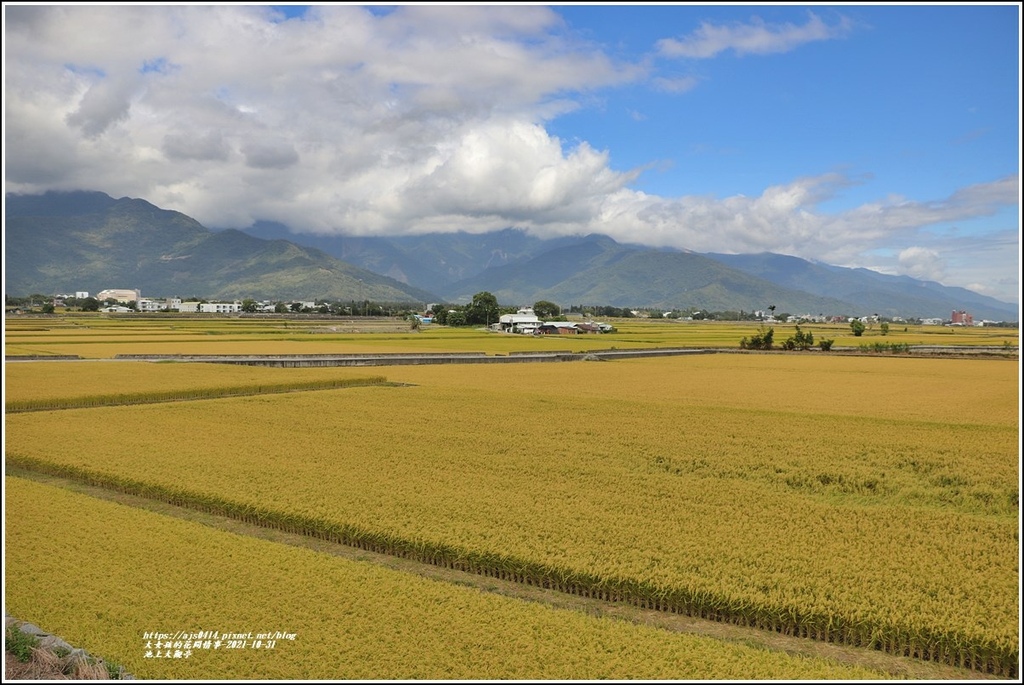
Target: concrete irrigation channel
412,358
399,359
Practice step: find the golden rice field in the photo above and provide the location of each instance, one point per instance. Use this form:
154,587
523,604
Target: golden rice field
871,500
137,572
102,336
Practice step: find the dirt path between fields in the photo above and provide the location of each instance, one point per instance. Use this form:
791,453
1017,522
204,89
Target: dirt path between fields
902,667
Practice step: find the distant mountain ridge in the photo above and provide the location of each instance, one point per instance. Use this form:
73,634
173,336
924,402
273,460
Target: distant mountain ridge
67,242
598,270
89,241
521,269
883,294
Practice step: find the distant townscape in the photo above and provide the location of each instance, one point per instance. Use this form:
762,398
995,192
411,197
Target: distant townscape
483,310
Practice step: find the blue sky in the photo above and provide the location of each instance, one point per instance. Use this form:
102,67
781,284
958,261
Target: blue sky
876,136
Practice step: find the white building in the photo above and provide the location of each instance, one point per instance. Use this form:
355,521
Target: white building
170,304
210,307
220,307
523,321
119,294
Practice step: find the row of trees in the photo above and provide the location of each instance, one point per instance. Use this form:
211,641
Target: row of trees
484,310
45,304
338,308
764,339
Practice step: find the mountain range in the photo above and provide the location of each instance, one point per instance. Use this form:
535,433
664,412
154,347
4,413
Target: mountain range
73,241
88,241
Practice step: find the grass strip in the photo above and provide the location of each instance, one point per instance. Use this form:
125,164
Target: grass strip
187,395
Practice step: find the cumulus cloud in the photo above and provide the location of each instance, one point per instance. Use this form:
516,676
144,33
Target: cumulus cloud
204,146
104,104
755,38
922,263
787,219
269,154
419,119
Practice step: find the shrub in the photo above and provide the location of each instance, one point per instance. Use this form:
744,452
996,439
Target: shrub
799,340
761,341
20,644
881,347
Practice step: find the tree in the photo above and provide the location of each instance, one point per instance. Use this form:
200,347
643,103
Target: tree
280,308
799,341
48,308
546,310
456,318
761,341
249,306
482,310
90,304
857,326
885,328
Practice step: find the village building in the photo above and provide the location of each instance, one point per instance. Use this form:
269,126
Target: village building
524,321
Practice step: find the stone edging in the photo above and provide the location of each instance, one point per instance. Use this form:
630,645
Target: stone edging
52,642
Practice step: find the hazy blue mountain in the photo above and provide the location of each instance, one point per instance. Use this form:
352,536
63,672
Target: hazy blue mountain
67,242
519,268
597,270
433,261
873,292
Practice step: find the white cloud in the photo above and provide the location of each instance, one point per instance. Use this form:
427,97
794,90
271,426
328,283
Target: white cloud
378,120
421,119
272,154
754,38
922,263
785,219
205,146
104,104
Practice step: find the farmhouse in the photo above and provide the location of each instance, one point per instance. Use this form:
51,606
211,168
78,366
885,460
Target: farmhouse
523,321
558,328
